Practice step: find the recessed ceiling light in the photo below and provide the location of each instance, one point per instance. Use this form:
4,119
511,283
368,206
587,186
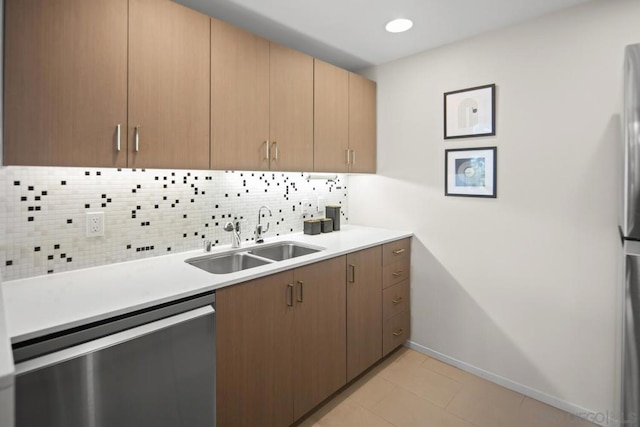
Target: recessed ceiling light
399,25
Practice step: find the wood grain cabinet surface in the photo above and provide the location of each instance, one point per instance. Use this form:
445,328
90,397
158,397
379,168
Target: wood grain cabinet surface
169,81
344,121
261,103
291,109
280,345
320,333
110,83
239,99
364,310
330,118
362,124
254,353
287,342
396,266
154,84
65,88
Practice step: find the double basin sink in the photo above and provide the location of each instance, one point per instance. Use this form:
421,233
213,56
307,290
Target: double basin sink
242,259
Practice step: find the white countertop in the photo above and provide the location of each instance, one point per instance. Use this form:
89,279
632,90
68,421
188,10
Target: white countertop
6,357
43,305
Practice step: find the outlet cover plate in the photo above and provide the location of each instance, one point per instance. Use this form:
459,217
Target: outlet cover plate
95,224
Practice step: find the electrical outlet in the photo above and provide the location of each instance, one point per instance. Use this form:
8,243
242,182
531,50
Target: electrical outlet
305,206
322,203
95,224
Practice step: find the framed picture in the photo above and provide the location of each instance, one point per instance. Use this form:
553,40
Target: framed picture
470,172
470,112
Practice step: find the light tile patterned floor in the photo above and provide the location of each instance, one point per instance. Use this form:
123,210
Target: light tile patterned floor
410,389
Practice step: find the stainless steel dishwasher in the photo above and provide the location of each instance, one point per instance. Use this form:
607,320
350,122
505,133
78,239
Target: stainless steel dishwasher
153,367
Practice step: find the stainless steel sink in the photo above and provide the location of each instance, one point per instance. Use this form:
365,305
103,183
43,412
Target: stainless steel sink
238,260
282,251
227,263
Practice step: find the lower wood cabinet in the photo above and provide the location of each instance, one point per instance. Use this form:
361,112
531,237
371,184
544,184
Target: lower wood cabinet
364,310
395,332
254,352
280,345
287,342
396,266
319,339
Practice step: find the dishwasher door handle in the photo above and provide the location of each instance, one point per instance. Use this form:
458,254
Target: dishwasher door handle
110,340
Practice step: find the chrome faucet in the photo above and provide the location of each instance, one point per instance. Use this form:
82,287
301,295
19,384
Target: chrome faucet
259,229
235,229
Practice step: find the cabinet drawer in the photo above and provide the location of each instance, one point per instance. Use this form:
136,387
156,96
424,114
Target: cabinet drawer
395,331
394,251
396,272
395,299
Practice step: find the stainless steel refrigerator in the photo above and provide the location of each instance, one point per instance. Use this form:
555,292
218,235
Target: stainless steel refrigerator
630,234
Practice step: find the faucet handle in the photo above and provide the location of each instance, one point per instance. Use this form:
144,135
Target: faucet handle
207,245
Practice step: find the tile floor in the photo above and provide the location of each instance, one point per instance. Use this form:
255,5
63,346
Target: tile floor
411,389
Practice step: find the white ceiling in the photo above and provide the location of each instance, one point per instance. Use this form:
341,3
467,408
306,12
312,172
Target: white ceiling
351,34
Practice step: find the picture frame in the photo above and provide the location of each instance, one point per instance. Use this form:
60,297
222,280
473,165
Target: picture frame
471,172
470,112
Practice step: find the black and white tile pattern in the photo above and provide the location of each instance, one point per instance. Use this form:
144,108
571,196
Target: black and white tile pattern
147,212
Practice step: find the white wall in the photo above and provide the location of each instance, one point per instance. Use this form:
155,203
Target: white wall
523,286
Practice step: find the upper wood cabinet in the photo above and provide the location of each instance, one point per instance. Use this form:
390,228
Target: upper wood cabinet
362,124
65,82
169,85
261,103
291,109
330,118
344,121
239,99
153,84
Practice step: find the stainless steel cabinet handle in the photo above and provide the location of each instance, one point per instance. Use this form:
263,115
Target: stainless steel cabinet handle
137,138
398,300
353,157
301,294
118,137
290,295
397,273
398,332
110,340
348,156
398,251
275,150
266,149
352,270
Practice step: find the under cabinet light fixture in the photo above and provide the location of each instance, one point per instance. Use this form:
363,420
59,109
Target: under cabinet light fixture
327,176
399,25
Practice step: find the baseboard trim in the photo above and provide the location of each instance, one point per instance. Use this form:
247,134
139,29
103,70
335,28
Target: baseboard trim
598,418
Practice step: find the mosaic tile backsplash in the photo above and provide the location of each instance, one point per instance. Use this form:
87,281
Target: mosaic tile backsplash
147,212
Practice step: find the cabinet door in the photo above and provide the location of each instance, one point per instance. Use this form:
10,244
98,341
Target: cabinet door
320,333
291,109
254,352
169,85
330,118
364,310
362,123
239,99
65,82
